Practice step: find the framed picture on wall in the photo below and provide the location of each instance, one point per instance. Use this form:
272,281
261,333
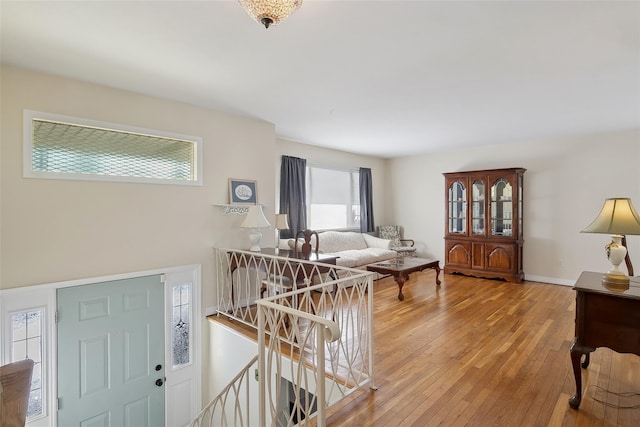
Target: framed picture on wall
242,192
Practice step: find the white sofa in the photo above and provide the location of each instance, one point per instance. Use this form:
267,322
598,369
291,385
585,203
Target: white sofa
354,250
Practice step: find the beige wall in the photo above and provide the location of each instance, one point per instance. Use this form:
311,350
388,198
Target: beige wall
62,230
55,230
565,185
318,156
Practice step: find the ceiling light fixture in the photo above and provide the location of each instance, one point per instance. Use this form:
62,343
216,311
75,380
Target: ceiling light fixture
269,12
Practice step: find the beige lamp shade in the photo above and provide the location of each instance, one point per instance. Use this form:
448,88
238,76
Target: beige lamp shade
617,216
255,218
282,222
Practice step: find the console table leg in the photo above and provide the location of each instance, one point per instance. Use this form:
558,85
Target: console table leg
574,401
577,351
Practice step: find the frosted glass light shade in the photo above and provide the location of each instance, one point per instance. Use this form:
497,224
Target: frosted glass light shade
269,12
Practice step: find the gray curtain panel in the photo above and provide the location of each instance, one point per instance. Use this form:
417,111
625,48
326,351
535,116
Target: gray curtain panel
366,201
293,194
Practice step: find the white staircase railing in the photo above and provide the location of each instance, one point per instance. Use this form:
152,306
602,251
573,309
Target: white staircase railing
231,406
315,342
307,399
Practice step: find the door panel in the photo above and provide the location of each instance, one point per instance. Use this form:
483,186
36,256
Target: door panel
477,259
110,340
458,253
500,257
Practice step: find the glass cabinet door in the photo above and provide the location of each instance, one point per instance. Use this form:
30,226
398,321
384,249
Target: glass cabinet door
477,207
519,188
501,208
457,208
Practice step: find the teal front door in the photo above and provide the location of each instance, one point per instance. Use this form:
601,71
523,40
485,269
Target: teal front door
111,354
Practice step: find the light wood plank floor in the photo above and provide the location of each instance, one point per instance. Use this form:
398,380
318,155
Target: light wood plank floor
485,353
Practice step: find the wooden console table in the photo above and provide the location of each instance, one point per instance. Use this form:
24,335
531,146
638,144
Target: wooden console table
401,267
604,318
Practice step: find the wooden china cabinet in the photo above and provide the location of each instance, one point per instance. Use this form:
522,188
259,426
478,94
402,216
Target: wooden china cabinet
483,230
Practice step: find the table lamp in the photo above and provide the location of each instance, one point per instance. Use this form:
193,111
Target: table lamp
282,223
618,218
254,221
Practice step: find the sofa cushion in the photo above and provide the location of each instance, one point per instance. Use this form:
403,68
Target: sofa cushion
347,258
376,242
356,258
337,241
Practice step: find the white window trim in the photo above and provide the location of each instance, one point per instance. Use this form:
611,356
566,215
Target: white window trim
39,296
43,344
27,132
22,299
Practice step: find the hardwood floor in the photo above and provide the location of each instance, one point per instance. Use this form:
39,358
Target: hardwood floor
478,352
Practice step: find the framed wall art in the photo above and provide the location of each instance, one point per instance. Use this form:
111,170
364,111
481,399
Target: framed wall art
242,192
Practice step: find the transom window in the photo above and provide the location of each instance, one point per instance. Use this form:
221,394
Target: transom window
72,148
333,199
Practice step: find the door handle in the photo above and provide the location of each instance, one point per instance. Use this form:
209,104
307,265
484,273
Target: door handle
159,382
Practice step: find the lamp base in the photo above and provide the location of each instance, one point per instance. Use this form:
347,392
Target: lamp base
616,282
616,279
254,238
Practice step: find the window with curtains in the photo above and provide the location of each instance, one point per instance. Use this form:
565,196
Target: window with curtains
333,199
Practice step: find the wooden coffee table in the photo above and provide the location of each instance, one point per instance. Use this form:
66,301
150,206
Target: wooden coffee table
401,267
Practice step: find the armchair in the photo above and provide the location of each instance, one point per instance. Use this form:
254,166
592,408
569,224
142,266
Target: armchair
404,247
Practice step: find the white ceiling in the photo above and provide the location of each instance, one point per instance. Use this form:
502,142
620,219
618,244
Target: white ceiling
384,78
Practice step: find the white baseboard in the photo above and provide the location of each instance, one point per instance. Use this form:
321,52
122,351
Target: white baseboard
552,280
